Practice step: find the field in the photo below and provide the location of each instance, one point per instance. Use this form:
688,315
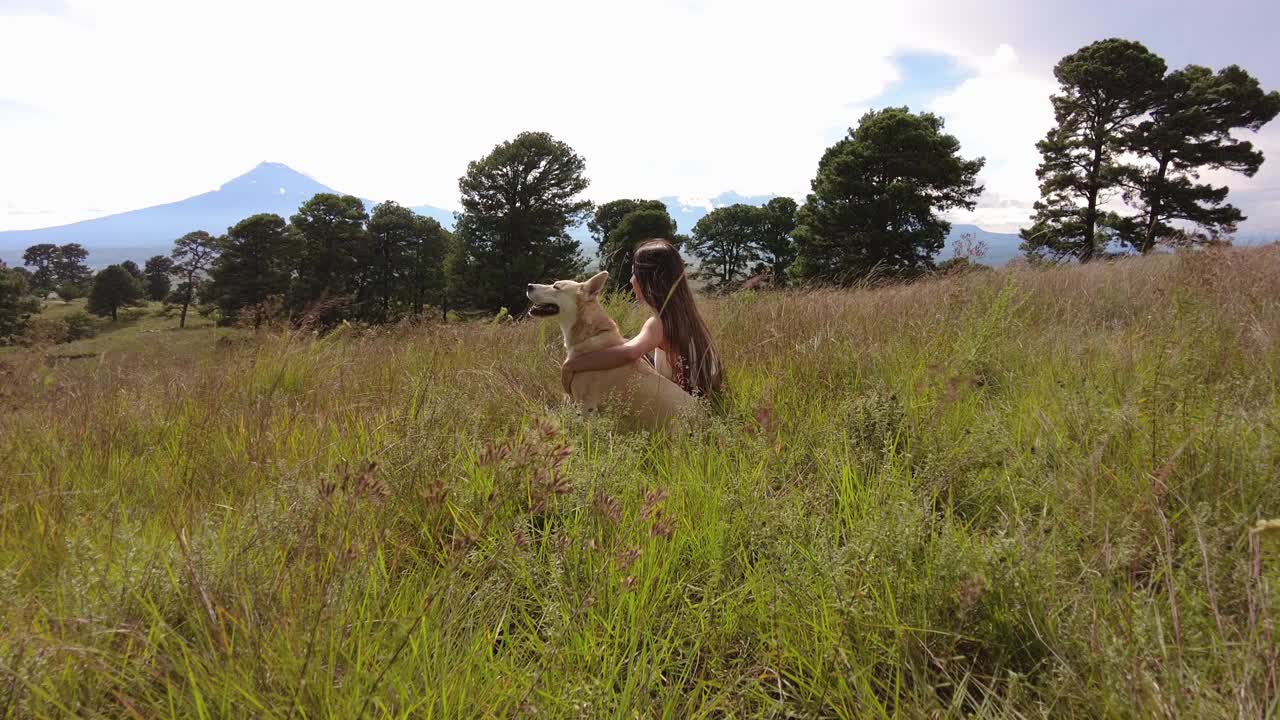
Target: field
1022,493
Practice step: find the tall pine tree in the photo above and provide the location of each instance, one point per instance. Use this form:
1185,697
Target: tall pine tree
618,251
113,288
518,203
1105,88
777,246
405,263
17,304
157,280
726,242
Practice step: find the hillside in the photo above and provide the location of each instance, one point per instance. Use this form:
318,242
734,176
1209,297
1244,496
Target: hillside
1013,494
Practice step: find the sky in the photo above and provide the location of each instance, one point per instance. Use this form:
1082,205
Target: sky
111,105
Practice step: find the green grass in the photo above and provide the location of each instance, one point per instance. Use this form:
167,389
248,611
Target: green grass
1015,494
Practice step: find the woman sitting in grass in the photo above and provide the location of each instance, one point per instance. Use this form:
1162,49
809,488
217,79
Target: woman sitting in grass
676,335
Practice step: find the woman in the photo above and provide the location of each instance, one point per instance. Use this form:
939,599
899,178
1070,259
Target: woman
676,335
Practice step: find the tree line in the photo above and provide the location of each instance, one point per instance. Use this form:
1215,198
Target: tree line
1121,166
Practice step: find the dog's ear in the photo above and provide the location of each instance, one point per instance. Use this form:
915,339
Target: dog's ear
595,285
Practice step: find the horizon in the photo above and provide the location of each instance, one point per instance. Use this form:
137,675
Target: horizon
737,97
274,187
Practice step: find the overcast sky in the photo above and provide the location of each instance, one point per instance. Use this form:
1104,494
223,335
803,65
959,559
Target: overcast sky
110,105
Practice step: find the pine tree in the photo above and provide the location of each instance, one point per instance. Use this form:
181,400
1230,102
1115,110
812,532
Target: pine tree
255,265
613,257
1189,130
132,268
405,263
193,255
333,265
777,246
726,242
113,288
875,198
17,304
58,267
156,277
518,204
1105,88
647,222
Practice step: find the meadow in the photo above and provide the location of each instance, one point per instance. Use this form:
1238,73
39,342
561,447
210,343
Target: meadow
1026,493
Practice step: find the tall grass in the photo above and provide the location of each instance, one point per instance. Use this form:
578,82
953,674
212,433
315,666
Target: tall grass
1018,494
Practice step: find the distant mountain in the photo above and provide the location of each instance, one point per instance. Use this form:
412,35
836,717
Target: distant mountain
279,189
1001,247
138,234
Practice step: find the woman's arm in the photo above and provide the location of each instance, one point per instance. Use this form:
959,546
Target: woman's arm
649,337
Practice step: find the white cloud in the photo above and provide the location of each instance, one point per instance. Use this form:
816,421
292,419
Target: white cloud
696,202
1258,196
999,114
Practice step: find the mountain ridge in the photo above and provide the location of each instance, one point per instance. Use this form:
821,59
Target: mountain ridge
267,188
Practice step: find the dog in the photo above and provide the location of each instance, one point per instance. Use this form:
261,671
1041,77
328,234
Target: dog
645,398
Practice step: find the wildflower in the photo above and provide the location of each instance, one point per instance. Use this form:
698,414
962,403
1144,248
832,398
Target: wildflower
560,454
547,429
970,591
494,454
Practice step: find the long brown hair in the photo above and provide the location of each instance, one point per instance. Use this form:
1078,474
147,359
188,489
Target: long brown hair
660,273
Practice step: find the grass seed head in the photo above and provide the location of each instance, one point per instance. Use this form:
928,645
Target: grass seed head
662,527
608,507
435,492
653,501
628,557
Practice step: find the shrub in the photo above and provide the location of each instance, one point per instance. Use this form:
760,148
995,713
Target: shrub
72,291
81,325
132,314
960,266
42,331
